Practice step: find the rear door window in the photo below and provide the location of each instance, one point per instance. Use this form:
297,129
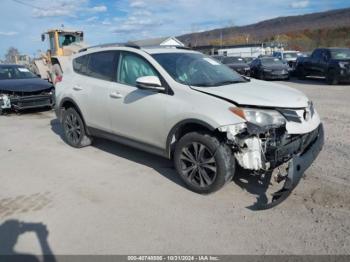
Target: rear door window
102,65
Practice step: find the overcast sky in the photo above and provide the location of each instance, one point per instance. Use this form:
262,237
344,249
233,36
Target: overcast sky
23,21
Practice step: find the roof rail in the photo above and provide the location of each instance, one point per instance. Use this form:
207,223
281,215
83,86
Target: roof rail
128,44
166,46
132,45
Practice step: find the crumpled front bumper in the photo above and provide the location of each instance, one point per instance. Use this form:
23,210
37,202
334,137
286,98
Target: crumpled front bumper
296,168
28,102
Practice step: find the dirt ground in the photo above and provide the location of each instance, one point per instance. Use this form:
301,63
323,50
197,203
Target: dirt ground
112,199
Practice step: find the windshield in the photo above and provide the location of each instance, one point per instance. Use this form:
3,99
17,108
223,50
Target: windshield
13,72
340,54
197,69
290,55
271,61
248,59
231,60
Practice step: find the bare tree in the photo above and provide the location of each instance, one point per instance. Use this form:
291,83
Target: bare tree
10,56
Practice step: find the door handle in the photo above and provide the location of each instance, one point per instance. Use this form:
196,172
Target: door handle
115,95
77,88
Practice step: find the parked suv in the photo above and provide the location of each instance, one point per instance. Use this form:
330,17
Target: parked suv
331,63
188,107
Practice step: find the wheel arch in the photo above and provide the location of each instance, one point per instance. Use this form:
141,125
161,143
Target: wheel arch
184,127
69,103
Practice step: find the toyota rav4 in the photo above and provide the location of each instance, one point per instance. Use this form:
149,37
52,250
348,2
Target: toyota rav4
186,106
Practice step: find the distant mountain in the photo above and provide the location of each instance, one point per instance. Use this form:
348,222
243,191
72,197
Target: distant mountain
313,26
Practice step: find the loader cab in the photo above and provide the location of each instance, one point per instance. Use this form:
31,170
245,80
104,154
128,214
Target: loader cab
58,39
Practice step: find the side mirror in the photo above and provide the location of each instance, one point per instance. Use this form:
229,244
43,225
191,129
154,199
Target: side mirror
149,83
42,37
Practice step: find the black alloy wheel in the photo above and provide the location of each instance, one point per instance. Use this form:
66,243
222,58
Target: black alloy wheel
74,129
198,165
204,163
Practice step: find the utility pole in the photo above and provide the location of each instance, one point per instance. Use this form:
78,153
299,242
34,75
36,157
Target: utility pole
221,37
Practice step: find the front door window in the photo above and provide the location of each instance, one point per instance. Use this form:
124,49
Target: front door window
133,66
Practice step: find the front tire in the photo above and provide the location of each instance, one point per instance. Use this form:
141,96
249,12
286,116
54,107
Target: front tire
203,163
74,129
261,75
301,73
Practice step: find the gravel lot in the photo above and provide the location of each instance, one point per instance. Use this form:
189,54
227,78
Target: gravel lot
112,199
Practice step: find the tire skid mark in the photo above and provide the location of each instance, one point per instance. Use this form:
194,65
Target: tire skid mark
24,203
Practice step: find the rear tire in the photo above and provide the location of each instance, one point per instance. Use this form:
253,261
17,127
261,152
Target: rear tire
331,78
74,129
203,163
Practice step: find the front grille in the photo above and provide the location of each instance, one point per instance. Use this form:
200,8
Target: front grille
41,102
279,72
32,101
24,94
292,145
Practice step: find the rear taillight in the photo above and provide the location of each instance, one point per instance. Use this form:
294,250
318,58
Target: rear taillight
58,79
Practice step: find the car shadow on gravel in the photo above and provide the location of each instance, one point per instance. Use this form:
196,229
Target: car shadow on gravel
256,185
160,164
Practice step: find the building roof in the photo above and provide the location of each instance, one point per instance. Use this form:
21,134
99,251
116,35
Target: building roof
156,41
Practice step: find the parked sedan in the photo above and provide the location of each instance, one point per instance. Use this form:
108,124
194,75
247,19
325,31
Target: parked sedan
269,68
238,64
289,57
249,60
218,57
21,89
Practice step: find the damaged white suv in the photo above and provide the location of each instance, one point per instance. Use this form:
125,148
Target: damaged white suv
188,107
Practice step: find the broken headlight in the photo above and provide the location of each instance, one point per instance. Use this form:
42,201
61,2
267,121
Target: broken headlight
4,102
260,117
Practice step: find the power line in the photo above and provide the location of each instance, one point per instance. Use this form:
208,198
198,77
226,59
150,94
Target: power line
28,4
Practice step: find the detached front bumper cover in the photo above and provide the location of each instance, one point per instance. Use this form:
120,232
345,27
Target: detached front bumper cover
296,168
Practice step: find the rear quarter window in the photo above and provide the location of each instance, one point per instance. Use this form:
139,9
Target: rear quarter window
80,64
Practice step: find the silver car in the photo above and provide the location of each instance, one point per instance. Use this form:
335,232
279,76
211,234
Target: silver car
188,107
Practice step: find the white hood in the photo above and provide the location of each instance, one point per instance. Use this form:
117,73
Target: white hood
259,93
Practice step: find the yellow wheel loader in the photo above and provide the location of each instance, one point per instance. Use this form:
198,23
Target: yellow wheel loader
63,43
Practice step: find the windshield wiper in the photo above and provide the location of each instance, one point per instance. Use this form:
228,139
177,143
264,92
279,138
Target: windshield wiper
203,84
229,82
220,83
